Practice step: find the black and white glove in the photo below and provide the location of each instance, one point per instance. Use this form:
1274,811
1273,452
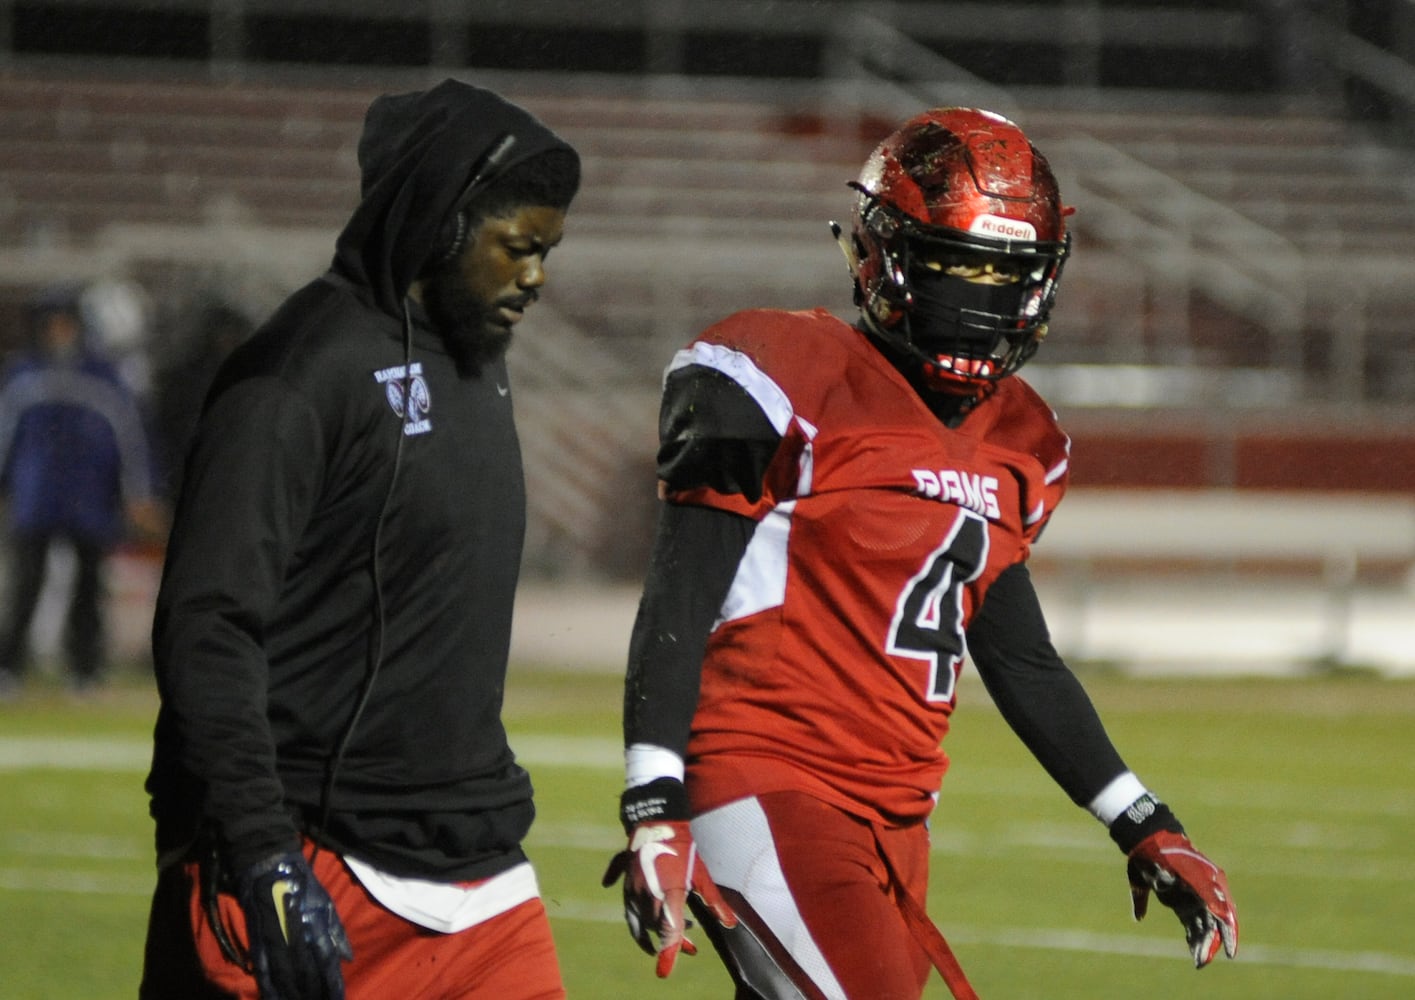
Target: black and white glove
1161,859
296,940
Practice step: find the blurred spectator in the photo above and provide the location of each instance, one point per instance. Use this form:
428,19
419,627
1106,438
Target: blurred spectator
74,462
115,317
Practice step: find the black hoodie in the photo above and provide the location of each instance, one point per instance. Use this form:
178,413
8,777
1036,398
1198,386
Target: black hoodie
417,153
275,615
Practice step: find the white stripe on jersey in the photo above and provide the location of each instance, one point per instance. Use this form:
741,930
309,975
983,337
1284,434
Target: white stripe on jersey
742,370
760,582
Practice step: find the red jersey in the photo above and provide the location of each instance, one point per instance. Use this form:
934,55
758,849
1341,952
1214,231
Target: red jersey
833,665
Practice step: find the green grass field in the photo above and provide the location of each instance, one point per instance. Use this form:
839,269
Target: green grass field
1303,789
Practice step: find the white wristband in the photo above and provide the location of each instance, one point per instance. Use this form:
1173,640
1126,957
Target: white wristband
644,762
1116,797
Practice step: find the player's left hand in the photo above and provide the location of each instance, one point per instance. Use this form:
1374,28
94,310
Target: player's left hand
1191,885
660,867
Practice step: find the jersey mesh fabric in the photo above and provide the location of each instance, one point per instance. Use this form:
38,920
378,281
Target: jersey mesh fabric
833,668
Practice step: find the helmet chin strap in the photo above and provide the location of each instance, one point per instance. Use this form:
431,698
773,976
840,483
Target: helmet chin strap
852,259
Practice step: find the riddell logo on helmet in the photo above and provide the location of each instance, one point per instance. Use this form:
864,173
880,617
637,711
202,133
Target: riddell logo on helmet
1007,229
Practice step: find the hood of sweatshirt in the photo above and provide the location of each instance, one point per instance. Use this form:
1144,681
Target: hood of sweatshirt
417,154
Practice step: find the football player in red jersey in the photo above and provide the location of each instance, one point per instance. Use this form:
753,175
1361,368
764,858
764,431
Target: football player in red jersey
849,509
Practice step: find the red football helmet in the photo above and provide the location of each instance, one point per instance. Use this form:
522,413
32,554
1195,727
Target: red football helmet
957,245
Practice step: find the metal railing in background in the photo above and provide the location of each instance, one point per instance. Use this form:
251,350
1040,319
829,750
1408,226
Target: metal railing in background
1187,241
1388,68
885,60
587,428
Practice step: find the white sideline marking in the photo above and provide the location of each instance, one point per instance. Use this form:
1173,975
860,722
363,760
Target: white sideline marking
972,779
1037,938
18,753
95,847
78,883
607,753
1115,944
1049,939
125,755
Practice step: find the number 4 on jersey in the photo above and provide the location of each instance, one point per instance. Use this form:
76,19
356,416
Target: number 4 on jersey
928,617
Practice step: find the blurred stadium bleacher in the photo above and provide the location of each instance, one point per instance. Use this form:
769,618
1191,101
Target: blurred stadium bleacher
1236,316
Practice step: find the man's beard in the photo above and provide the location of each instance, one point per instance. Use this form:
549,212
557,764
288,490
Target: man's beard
473,331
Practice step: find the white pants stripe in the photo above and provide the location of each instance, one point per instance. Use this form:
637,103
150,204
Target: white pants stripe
735,841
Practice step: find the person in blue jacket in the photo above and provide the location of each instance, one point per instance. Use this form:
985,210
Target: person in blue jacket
74,465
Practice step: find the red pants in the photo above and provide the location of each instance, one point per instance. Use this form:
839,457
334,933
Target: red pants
510,957
812,885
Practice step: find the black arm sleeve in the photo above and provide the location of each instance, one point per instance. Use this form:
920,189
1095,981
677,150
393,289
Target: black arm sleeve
695,555
1036,692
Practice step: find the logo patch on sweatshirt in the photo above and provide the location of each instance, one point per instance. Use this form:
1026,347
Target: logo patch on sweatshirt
408,396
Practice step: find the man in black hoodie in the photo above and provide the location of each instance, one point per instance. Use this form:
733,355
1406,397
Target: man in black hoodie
333,791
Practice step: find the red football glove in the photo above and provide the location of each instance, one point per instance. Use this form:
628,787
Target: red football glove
1191,885
660,867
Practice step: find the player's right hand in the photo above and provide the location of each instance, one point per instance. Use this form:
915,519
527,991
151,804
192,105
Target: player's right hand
296,939
660,867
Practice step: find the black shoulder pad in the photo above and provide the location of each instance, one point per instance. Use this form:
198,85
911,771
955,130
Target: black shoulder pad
713,434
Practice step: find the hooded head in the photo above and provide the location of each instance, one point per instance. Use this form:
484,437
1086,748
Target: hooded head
56,325
418,154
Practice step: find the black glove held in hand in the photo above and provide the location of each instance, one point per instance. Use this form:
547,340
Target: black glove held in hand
296,937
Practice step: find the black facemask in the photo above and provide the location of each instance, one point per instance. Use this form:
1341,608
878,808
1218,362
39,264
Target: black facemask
962,318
